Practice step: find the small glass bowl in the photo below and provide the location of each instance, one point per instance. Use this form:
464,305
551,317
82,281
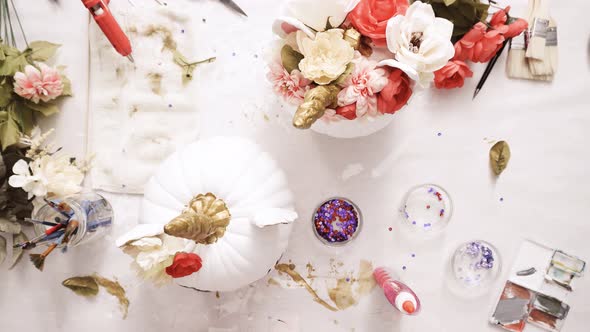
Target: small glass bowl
475,264
341,208
426,211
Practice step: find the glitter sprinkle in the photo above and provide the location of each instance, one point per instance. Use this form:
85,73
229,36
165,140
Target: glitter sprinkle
233,54
413,255
501,199
390,229
428,206
336,220
439,134
170,105
442,212
204,20
182,31
427,224
403,267
413,223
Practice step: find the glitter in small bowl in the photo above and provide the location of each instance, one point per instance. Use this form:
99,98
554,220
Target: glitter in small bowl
336,221
426,211
475,263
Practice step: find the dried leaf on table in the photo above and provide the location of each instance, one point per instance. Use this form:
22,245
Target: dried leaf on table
17,253
83,286
499,157
88,286
2,249
115,289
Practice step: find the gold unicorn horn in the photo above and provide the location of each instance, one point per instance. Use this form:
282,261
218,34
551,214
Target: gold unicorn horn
204,221
314,105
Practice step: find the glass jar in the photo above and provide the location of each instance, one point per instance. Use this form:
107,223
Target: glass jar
426,211
336,221
475,264
91,210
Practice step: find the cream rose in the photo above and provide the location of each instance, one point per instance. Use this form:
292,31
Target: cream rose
420,41
325,57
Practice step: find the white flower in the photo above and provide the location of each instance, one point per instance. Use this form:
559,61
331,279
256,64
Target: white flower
153,254
362,86
420,41
22,178
314,14
47,174
325,57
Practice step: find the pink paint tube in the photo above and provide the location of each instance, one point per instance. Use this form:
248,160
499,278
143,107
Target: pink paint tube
397,293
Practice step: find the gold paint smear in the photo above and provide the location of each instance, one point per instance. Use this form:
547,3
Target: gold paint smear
273,281
115,289
155,82
342,294
167,39
87,286
290,270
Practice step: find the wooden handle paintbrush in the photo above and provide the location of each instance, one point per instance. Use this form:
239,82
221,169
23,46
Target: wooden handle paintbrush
489,68
39,259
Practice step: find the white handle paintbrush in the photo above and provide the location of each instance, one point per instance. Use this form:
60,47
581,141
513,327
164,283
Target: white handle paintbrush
538,30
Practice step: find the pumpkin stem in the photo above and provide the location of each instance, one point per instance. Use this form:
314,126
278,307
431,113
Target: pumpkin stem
204,221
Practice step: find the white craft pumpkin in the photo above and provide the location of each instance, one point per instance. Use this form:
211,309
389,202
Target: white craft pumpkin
255,192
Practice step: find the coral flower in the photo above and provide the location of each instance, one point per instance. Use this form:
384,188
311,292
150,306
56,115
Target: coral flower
370,17
479,44
452,75
34,84
396,93
184,264
511,30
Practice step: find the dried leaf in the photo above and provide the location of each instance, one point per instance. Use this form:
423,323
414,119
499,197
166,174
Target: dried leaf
17,253
499,157
9,226
2,249
83,286
115,289
187,66
290,58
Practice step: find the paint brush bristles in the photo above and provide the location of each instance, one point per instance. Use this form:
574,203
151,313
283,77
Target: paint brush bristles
39,260
516,62
538,30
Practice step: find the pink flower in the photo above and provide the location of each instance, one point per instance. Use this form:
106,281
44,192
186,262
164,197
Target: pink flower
362,85
38,85
396,93
479,44
452,75
291,86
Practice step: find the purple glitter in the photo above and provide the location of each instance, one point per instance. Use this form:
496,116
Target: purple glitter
413,223
413,255
403,267
336,220
474,249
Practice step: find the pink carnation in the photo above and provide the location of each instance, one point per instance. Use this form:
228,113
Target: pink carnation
362,86
291,86
36,85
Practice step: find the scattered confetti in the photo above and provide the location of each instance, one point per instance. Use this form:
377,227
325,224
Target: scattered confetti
403,267
204,20
428,206
170,105
439,134
233,54
501,199
182,31
413,255
390,229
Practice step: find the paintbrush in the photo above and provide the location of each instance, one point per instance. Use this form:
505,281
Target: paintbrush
41,222
37,239
72,227
61,208
39,259
488,70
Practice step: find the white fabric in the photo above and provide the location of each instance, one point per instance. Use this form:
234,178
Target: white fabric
546,187
134,122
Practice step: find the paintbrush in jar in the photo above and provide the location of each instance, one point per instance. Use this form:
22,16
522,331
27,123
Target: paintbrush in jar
32,243
39,259
41,222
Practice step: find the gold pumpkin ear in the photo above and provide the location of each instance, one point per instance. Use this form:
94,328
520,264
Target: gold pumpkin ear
204,221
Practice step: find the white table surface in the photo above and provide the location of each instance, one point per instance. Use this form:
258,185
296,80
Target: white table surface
545,189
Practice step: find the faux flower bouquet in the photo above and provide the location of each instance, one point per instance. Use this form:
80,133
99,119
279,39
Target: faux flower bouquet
345,60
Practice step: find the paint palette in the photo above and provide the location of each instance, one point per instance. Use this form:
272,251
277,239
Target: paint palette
534,297
426,210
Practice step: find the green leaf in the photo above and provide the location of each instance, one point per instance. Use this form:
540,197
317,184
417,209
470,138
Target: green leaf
9,226
290,58
9,130
42,50
67,89
14,63
42,107
499,157
17,253
5,93
83,286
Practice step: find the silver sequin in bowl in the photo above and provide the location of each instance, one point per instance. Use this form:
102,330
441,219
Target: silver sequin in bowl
475,264
351,237
425,212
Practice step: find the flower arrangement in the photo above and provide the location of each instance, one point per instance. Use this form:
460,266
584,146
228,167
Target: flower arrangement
342,60
30,171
